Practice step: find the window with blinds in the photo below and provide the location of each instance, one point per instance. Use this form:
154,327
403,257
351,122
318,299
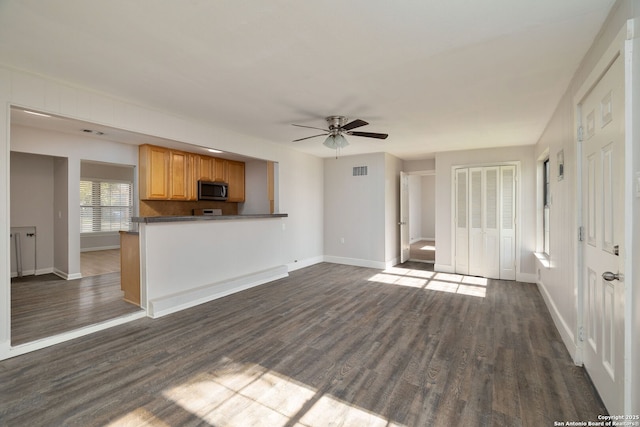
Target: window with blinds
105,206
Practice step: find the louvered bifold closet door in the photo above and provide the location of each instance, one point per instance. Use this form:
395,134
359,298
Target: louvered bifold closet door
508,223
485,242
476,235
491,223
462,221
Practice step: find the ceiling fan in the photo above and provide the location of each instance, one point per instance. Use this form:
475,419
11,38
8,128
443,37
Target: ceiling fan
338,128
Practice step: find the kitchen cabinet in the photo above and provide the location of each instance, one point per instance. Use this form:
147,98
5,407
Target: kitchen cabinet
206,166
220,170
235,173
154,172
130,266
167,174
179,181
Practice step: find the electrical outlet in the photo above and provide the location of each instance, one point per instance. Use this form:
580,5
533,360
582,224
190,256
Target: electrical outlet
342,240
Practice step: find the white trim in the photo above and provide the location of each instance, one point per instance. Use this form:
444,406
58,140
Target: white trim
632,81
66,276
182,300
67,336
297,265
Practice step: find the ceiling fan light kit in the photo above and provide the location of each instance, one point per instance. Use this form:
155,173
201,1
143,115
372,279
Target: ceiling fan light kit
338,128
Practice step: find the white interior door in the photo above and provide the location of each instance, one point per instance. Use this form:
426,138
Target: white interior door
405,245
508,223
484,230
476,240
491,223
602,119
462,221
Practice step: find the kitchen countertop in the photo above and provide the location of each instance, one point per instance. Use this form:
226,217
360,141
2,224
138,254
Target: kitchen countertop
158,219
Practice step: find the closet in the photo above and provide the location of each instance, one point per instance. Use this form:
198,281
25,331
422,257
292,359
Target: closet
485,215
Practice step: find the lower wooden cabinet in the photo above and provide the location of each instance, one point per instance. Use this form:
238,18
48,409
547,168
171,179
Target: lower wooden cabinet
130,266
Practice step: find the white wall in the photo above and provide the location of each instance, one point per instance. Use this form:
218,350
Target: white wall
256,194
415,208
64,263
32,202
301,175
354,210
428,208
526,203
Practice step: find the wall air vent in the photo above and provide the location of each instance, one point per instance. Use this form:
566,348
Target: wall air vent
359,170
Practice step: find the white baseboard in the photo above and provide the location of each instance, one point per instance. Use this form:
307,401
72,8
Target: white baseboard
526,277
298,264
66,276
444,268
568,338
356,262
172,303
37,272
9,351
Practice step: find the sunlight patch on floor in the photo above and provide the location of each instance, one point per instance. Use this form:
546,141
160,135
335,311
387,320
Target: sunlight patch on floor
241,394
428,248
329,411
429,280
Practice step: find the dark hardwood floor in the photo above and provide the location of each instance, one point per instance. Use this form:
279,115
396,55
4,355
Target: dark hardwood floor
329,345
46,305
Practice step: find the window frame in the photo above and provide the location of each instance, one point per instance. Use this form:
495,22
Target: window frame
126,210
546,206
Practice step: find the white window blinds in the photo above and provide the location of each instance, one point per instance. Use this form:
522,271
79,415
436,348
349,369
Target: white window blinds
105,206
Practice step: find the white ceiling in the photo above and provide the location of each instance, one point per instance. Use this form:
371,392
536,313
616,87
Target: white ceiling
436,75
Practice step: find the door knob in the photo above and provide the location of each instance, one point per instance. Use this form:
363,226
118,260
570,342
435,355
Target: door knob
609,276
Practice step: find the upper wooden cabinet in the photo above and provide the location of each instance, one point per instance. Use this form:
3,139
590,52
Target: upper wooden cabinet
206,167
154,172
167,174
235,172
221,173
179,176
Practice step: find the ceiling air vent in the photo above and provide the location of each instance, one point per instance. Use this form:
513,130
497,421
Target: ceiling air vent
359,170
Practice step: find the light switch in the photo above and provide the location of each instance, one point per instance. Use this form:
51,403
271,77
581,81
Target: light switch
638,184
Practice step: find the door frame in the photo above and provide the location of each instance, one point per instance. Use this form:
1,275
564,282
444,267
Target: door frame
517,203
620,47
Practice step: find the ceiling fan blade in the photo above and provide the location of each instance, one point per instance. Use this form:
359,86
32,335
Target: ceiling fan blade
310,127
369,134
302,139
354,124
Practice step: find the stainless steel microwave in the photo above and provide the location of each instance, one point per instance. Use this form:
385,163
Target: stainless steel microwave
209,190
